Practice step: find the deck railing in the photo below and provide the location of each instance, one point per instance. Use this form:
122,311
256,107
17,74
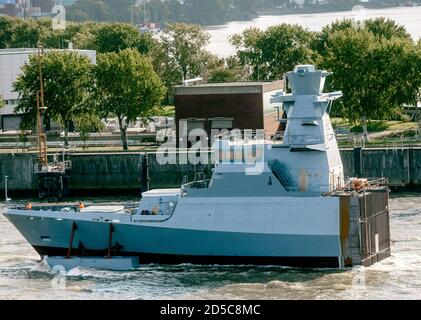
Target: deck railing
360,185
54,167
202,184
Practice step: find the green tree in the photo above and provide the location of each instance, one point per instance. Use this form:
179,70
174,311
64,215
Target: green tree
103,37
374,63
210,63
166,71
84,10
184,45
17,33
180,54
6,31
127,87
323,38
83,35
386,28
87,123
119,36
27,33
229,71
67,81
101,10
72,33
204,12
222,75
377,75
379,27
267,55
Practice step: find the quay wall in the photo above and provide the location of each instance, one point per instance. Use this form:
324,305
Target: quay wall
94,172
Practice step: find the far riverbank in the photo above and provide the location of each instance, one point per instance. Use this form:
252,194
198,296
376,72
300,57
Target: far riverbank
324,9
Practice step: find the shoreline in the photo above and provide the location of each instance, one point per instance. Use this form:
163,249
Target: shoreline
319,9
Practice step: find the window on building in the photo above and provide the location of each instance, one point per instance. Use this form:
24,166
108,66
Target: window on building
222,124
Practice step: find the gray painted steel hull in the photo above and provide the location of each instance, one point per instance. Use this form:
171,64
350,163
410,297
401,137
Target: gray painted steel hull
167,245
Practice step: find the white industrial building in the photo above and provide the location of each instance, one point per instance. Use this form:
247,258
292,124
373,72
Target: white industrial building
11,62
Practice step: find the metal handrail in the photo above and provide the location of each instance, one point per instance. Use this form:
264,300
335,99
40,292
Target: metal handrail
371,184
305,139
200,184
59,167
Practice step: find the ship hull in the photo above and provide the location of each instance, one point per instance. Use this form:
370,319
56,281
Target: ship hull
170,259
158,244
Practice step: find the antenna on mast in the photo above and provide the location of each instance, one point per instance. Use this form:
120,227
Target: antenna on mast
42,138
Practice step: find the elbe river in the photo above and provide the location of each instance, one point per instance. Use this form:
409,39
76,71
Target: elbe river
22,276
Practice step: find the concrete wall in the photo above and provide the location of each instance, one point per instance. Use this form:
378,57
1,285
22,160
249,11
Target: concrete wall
127,171
106,171
19,168
171,176
401,166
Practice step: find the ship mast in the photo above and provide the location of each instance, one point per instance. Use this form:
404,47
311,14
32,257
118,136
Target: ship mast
41,136
145,22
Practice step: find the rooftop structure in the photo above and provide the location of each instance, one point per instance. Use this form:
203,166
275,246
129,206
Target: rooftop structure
219,106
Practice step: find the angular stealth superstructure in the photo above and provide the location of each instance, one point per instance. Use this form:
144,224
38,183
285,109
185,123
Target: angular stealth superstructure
289,206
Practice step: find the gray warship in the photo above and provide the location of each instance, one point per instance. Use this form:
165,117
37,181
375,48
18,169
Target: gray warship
299,210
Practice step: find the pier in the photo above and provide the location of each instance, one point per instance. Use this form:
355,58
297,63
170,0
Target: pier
99,173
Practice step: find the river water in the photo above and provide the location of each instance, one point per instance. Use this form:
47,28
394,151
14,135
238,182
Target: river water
410,17
22,276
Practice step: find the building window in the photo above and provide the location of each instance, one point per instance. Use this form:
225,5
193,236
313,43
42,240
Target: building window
222,124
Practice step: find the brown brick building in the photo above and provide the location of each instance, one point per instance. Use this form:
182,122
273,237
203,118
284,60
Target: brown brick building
242,105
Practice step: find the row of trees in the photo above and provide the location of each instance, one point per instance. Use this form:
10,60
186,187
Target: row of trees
203,12
376,64
103,37
179,53
123,85
134,74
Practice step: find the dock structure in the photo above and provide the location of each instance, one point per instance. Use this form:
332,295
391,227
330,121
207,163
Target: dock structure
364,225
52,177
53,180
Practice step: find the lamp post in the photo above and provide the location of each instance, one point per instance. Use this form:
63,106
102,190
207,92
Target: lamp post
5,189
